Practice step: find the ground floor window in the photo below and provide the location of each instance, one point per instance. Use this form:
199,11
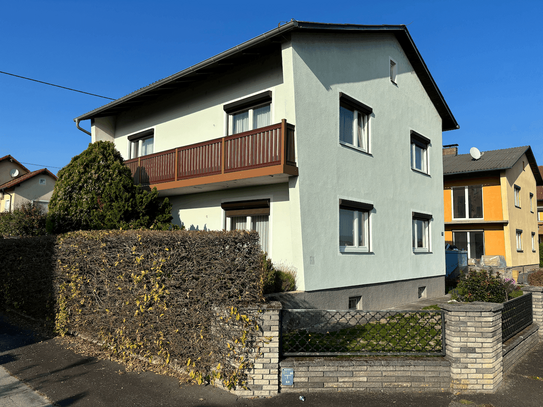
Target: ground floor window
472,242
354,234
249,215
421,232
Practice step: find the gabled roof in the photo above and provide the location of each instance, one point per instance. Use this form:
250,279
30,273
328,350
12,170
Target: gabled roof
270,42
9,157
494,160
26,177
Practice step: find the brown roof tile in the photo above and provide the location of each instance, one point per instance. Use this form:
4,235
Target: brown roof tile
23,178
493,160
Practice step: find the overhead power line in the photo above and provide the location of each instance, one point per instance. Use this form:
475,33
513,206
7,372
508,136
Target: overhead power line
58,86
40,165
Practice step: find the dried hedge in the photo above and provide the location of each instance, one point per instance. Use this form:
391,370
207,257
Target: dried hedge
167,296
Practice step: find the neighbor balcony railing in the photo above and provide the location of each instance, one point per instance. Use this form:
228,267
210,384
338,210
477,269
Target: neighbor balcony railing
264,147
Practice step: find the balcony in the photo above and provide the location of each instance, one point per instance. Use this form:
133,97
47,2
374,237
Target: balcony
256,157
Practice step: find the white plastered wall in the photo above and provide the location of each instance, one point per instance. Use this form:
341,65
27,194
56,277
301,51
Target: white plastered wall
359,66
32,191
203,212
196,114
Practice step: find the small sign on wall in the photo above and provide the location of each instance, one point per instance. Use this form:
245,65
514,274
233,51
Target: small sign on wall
287,377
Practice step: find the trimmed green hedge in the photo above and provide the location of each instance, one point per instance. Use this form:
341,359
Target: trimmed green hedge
148,293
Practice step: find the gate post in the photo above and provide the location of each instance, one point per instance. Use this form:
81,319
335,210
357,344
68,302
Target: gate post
473,337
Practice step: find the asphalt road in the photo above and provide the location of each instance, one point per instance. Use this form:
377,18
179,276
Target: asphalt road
42,371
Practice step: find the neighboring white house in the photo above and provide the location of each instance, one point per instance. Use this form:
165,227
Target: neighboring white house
325,138
19,185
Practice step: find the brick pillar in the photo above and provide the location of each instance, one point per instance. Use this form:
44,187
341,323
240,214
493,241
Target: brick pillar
263,378
537,305
473,337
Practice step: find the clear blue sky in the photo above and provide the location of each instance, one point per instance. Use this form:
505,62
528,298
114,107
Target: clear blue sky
485,56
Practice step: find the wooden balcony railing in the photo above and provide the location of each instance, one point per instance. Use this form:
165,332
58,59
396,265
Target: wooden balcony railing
264,147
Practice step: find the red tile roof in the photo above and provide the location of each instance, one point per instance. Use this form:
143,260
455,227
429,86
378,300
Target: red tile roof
25,177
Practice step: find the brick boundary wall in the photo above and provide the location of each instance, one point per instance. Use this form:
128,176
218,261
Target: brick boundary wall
373,374
537,305
263,378
473,336
518,346
475,362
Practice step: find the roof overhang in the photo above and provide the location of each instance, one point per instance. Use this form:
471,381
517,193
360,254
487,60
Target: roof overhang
264,44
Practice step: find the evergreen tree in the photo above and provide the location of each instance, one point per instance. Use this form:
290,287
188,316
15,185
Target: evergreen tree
96,191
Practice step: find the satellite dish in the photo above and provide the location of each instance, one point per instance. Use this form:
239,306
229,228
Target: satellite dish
475,153
14,172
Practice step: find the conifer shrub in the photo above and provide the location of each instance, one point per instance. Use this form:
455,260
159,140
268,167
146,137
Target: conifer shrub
276,279
96,192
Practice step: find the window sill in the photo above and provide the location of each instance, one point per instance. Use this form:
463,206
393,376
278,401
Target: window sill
520,251
421,251
357,250
421,172
516,206
353,147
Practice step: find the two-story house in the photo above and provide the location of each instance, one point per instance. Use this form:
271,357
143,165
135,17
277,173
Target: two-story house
19,185
491,207
325,138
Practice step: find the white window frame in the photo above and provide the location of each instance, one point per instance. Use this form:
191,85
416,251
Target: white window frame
420,142
361,127
425,219
468,239
533,242
466,202
361,215
248,209
7,205
393,70
248,104
517,196
136,142
531,202
519,240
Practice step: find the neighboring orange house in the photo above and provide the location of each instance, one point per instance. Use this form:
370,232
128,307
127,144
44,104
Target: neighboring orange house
490,204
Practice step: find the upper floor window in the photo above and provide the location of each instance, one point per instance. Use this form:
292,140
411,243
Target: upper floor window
468,202
354,122
531,202
517,196
393,70
141,144
250,113
419,152
421,232
354,234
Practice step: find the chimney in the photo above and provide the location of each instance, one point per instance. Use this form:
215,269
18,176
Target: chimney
450,149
